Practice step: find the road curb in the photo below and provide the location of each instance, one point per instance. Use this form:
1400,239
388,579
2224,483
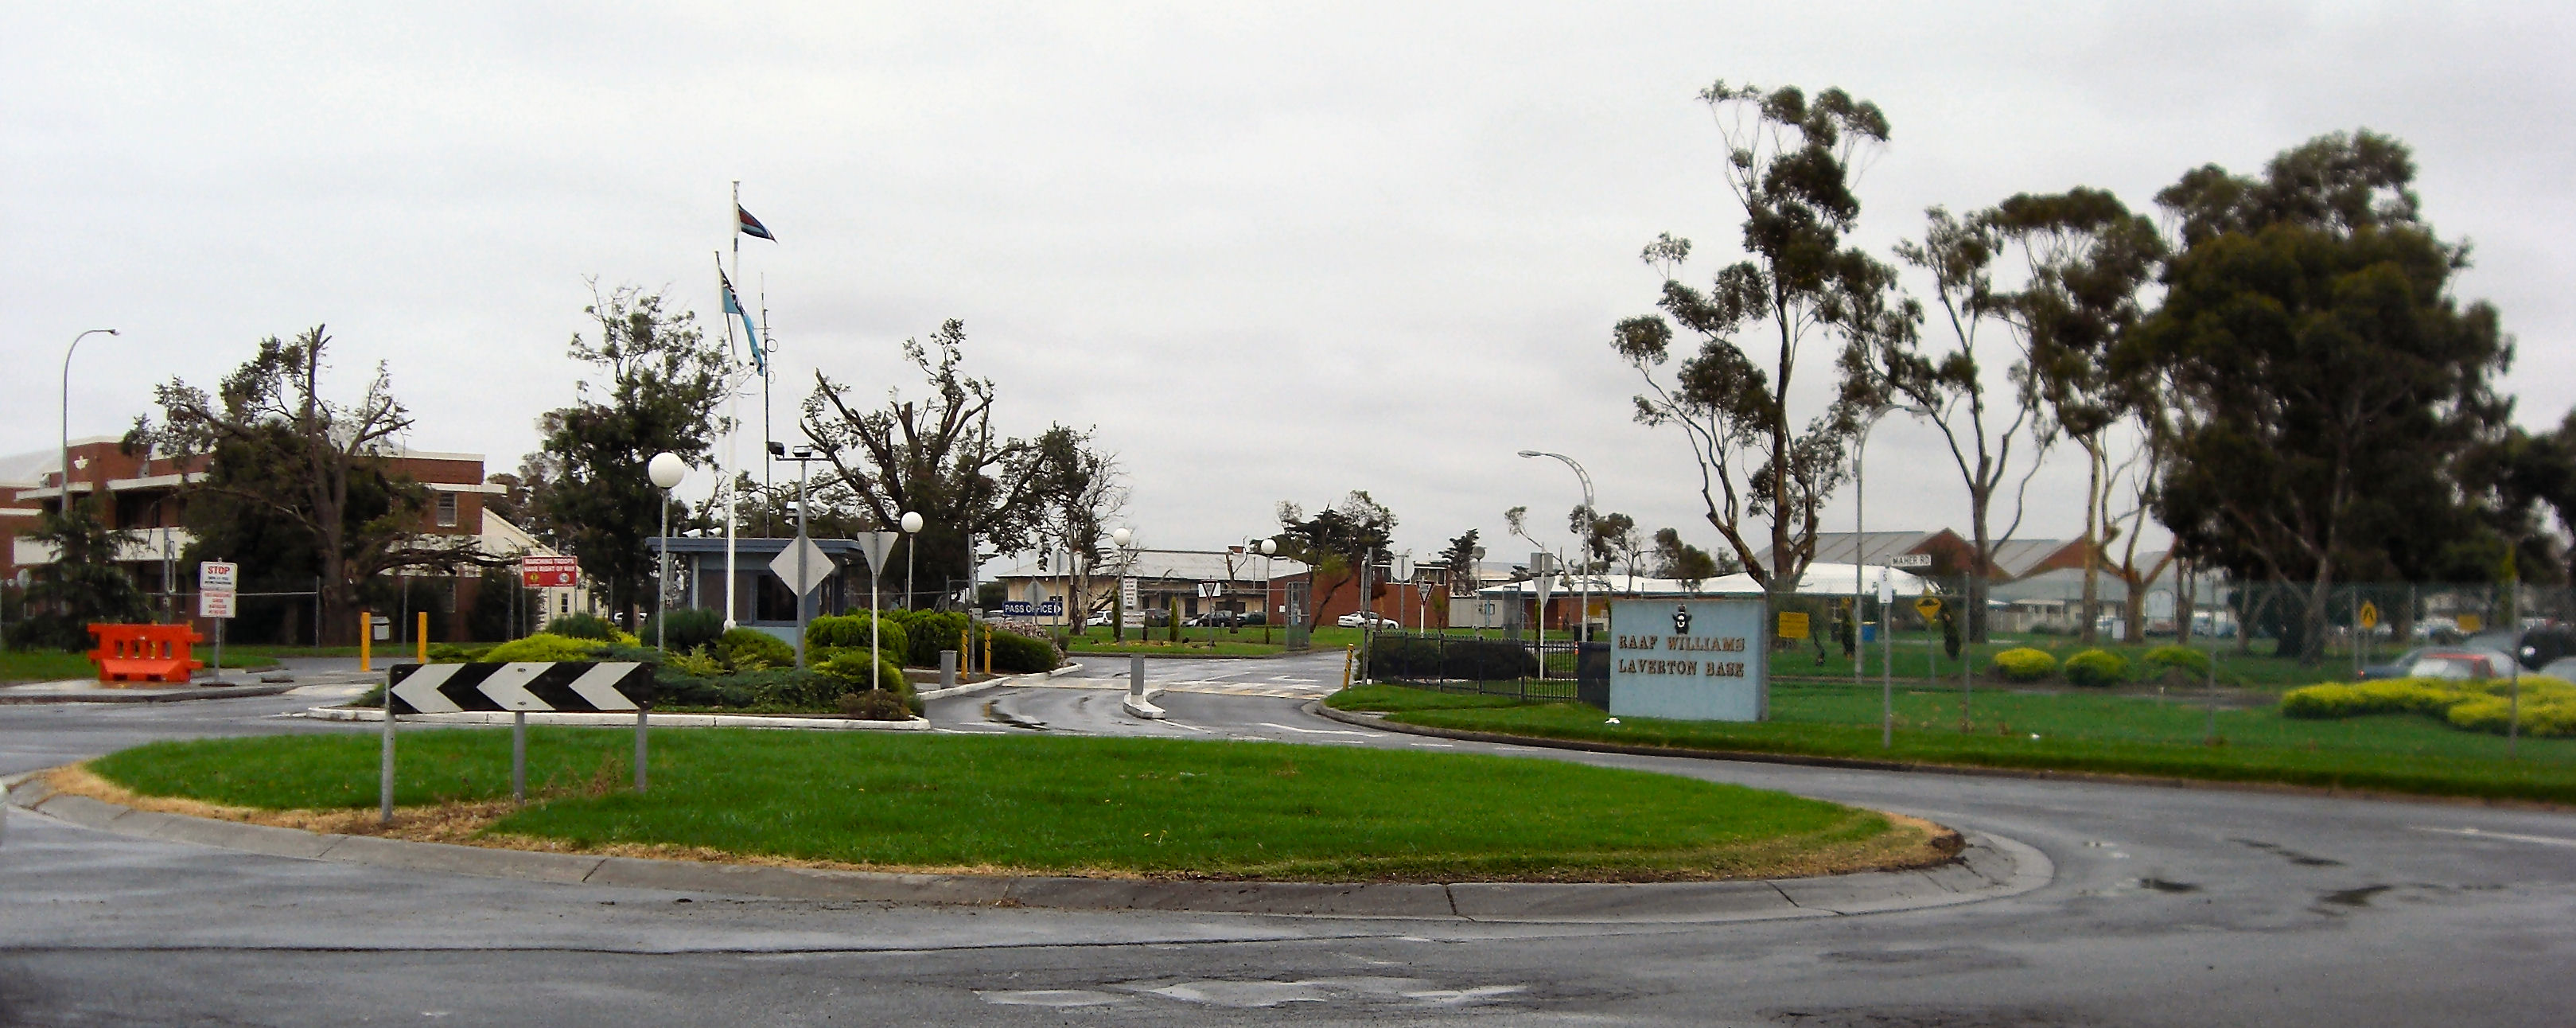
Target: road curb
502,717
1989,867
12,694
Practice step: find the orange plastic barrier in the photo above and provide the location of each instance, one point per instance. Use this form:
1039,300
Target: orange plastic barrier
144,653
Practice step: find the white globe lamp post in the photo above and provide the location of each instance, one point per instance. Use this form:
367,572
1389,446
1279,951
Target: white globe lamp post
667,471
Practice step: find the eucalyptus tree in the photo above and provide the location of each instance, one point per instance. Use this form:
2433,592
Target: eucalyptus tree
2088,260
1791,161
2322,384
1987,411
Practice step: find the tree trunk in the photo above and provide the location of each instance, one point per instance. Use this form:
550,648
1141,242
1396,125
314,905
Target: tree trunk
1976,591
2092,542
2134,620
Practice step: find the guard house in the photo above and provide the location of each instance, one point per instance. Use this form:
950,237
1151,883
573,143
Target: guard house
761,599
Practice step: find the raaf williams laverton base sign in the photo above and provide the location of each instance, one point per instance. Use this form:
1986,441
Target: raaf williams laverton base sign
1694,660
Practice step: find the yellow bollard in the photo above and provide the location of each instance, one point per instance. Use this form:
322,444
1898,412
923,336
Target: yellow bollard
422,637
988,653
1346,666
366,636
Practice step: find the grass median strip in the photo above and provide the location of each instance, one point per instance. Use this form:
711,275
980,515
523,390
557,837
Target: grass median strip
2068,732
1037,805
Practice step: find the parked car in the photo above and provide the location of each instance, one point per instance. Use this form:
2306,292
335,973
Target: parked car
1213,619
1255,619
2403,666
2460,665
1098,621
1366,619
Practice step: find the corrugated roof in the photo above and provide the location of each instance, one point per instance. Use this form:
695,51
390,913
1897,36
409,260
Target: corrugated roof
1872,547
1179,565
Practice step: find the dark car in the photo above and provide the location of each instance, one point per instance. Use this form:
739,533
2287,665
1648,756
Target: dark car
2458,664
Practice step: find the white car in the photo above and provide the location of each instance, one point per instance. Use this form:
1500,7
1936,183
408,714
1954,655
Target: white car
1366,619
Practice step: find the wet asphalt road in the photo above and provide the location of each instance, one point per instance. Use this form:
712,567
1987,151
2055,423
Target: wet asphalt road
2170,906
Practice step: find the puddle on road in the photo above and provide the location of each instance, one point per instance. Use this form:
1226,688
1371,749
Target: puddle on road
2353,897
2285,853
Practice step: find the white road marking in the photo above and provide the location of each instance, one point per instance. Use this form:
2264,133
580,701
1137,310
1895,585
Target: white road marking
2545,840
1438,745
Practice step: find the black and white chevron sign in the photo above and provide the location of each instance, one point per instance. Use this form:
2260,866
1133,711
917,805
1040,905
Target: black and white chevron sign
571,685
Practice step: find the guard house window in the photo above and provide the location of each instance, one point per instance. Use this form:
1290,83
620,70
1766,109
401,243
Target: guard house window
447,510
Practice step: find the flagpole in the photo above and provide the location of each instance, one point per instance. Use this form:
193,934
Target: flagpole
733,423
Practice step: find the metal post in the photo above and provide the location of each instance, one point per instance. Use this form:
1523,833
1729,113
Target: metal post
1136,675
639,748
2513,704
519,757
801,465
385,756
948,669
661,599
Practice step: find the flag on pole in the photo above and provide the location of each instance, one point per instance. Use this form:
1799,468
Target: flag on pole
733,306
749,225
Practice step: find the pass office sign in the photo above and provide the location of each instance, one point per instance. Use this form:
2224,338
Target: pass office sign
1692,660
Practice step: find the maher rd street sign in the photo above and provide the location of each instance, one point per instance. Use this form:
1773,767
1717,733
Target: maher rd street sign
1910,560
572,685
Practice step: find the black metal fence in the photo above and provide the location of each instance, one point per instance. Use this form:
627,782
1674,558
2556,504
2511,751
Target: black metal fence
1528,669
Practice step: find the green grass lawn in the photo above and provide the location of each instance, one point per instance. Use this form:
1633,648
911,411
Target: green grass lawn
1050,804
2076,732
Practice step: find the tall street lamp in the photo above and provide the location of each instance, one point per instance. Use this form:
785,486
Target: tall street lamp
666,469
67,413
1582,620
1269,549
911,532
1118,605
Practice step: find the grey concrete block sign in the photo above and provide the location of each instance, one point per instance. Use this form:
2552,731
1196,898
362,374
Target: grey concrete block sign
1692,660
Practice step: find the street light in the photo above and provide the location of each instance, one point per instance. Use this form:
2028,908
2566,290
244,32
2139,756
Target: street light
666,470
1269,548
911,525
67,415
1582,620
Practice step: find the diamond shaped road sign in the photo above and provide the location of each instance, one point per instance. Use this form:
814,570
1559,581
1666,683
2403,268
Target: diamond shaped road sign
818,565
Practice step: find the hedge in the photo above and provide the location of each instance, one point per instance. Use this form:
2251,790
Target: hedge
1399,658
842,631
685,629
2096,668
2170,657
582,626
750,649
543,646
2548,704
2024,664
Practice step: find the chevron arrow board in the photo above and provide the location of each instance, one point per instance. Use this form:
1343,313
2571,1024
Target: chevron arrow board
567,685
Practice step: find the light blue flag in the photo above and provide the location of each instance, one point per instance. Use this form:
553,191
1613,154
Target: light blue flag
733,306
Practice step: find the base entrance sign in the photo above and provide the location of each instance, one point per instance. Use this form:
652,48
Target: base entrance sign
1693,660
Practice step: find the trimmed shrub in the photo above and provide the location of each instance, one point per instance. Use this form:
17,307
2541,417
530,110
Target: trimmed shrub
850,631
543,646
450,653
696,662
582,626
685,629
2170,657
750,649
2096,668
850,669
874,705
1019,654
2025,664
931,631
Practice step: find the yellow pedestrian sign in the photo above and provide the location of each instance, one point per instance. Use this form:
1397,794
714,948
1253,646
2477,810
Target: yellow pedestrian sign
2369,614
1928,606
1793,624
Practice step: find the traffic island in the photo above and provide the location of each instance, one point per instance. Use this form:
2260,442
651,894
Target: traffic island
1968,869
1111,808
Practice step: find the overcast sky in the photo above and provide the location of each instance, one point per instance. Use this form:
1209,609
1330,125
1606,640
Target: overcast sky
1270,256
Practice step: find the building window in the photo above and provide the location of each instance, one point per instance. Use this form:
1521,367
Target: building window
447,510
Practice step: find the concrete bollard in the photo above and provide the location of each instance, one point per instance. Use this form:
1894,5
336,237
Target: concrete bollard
1137,703
947,669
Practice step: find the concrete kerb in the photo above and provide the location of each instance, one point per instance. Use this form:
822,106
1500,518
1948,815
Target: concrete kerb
38,693
1990,867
